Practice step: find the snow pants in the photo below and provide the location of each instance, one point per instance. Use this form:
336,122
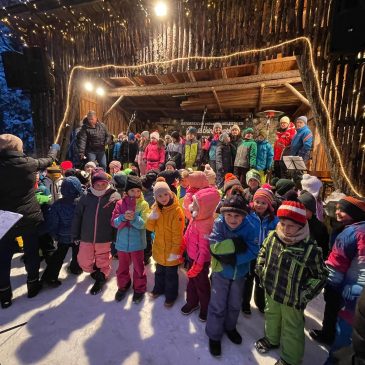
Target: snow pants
166,281
224,306
259,293
284,325
94,256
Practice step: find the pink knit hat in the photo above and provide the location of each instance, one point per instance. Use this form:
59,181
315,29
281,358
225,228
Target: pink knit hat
198,180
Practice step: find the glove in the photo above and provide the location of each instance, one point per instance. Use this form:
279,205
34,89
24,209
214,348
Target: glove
351,292
173,257
229,259
55,147
153,215
304,299
194,270
239,245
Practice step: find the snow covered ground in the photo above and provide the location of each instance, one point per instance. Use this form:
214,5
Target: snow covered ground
69,326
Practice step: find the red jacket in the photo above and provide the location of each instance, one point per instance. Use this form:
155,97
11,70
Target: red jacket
283,139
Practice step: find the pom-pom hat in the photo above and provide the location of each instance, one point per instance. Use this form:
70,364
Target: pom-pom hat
294,211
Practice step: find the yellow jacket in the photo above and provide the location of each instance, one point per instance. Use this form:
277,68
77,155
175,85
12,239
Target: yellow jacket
168,228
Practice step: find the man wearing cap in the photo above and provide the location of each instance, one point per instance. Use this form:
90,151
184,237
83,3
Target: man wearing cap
17,194
92,139
303,140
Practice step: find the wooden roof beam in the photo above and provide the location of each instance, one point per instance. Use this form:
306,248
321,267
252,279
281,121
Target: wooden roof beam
260,98
217,100
300,96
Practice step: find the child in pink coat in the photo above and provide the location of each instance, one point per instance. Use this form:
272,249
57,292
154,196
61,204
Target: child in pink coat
154,154
200,203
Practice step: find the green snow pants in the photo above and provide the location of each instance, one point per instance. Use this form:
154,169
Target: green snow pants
284,325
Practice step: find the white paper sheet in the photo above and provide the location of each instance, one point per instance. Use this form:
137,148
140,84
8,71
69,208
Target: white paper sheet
7,220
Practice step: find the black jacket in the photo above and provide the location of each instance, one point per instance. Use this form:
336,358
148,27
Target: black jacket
128,151
223,157
319,233
91,139
17,192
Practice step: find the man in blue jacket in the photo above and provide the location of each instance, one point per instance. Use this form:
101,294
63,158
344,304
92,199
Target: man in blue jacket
302,142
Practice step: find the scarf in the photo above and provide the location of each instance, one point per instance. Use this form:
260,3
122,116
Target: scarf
302,234
99,193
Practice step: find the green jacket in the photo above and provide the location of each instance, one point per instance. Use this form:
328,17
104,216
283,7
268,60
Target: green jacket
291,275
246,154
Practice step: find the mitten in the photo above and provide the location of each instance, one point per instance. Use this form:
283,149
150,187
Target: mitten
55,147
173,257
239,245
351,292
153,215
194,270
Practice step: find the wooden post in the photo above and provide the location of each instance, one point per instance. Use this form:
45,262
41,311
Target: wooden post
303,99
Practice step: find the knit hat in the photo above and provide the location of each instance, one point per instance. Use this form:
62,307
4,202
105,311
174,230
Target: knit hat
145,134
115,165
284,185
170,163
230,180
235,204
82,176
192,130
99,176
308,200
311,184
303,118
291,195
209,172
235,126
247,130
262,133
66,165
354,207
266,186
71,187
91,164
168,136
294,211
133,182
285,120
161,186
54,169
9,142
120,180
131,137
149,179
223,136
265,195
154,135
198,180
70,172
170,178
175,134
253,174
217,125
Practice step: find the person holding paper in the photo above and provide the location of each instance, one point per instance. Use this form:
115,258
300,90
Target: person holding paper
18,195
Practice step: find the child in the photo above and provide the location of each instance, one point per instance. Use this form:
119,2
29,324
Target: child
183,186
263,213
59,225
154,154
211,175
143,143
172,178
253,181
236,140
129,217
114,167
282,188
90,167
223,158
291,270
170,166
213,142
313,185
91,226
265,155
52,181
233,244
167,221
174,150
246,156
199,208
191,155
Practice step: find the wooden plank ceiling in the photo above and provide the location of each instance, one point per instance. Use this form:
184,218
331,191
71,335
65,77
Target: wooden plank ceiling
227,92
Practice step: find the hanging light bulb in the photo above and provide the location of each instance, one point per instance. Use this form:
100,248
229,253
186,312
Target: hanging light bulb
88,86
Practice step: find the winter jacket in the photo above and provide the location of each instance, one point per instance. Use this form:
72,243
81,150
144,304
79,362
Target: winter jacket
248,194
53,186
221,244
154,155
265,154
283,139
266,225
128,151
93,139
116,150
133,236
140,158
191,154
91,221
246,154
181,192
318,232
168,230
201,224
213,147
17,193
223,158
301,144
174,153
291,274
235,142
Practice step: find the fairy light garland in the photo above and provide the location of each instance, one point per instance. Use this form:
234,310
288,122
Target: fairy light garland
303,40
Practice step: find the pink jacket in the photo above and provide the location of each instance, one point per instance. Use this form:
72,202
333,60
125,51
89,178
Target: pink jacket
122,205
154,156
204,203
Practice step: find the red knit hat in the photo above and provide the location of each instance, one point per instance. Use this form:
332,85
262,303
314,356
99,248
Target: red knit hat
266,195
66,165
294,211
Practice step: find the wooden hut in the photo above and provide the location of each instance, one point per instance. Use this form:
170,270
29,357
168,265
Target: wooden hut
279,58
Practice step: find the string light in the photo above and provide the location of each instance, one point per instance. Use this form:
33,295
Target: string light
304,40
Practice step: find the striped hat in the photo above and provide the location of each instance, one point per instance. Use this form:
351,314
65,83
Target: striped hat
294,211
355,208
266,195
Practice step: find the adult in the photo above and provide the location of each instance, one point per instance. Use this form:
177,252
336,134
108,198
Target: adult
92,139
236,140
302,142
284,136
17,193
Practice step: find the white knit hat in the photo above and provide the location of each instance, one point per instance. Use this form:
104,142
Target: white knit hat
161,186
155,135
285,120
311,184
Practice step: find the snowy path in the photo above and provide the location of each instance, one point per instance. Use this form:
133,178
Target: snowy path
68,326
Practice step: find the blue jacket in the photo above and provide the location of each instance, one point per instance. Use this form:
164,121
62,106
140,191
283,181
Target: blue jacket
249,232
301,144
116,151
266,225
264,156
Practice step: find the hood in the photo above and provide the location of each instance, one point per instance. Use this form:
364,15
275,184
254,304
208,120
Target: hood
71,187
207,200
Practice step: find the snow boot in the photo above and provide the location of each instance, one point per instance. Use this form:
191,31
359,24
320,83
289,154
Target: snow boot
5,297
121,293
215,348
137,297
281,362
202,317
321,337
74,268
34,286
99,283
187,309
234,336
